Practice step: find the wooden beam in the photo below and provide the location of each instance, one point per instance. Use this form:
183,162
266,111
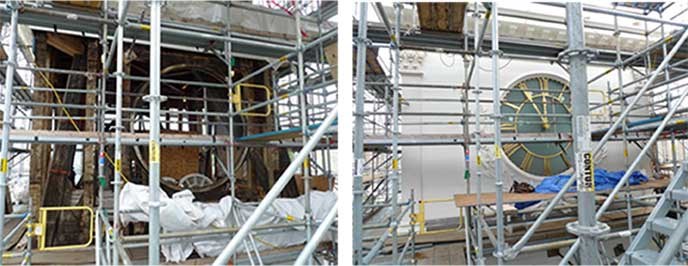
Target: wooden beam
40,153
66,44
90,161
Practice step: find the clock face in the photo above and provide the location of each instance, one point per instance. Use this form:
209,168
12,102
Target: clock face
536,106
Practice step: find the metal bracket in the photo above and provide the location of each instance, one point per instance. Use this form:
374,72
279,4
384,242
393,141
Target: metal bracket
564,56
365,41
590,231
502,254
497,52
160,98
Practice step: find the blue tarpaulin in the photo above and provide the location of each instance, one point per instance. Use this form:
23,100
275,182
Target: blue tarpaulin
603,181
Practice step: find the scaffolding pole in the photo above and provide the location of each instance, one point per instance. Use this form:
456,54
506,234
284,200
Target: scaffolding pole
101,146
154,100
480,259
304,125
586,228
119,37
395,131
7,111
624,124
467,220
230,110
499,181
359,115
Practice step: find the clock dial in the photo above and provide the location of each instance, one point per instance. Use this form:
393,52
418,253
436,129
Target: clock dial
538,105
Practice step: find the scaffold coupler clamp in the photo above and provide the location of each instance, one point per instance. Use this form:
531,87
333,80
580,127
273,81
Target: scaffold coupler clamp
566,55
163,3
503,254
595,231
159,98
365,41
510,253
499,53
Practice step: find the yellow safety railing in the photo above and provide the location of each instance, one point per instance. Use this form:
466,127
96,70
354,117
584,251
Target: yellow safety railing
41,227
236,99
419,217
605,101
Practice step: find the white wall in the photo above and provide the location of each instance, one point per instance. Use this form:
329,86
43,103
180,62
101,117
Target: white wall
437,171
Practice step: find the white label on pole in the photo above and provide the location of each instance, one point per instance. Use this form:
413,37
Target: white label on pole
586,171
583,132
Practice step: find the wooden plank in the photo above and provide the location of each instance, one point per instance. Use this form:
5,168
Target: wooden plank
467,200
442,17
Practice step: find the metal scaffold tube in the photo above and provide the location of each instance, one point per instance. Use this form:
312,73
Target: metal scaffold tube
122,8
587,228
119,37
275,191
304,125
154,100
395,131
624,124
230,109
480,260
101,145
7,111
359,114
499,182
467,218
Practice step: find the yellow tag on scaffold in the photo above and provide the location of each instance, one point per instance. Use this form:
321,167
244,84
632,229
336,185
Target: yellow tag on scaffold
154,152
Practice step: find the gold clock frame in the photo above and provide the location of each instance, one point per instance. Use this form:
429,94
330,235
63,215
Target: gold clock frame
512,126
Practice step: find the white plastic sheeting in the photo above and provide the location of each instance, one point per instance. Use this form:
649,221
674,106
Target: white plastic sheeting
180,213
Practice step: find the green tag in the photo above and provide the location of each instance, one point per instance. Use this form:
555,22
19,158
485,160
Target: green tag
101,181
467,175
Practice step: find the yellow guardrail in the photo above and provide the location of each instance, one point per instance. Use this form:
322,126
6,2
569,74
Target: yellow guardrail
41,227
419,217
236,99
605,101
